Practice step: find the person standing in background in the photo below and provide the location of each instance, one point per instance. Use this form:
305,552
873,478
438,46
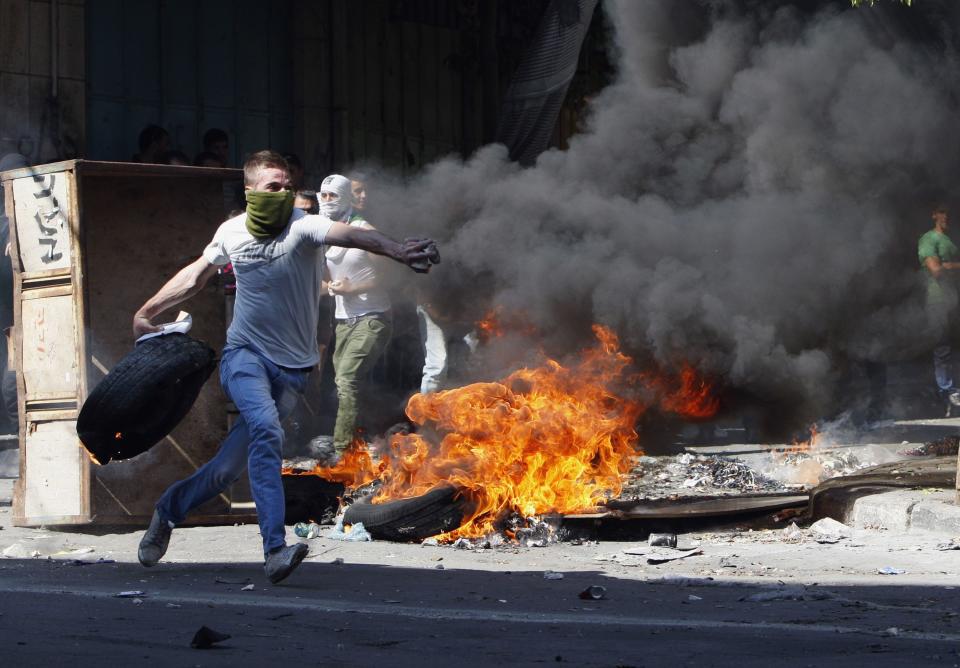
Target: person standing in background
364,322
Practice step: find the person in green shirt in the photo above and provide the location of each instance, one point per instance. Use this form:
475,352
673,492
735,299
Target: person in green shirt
940,260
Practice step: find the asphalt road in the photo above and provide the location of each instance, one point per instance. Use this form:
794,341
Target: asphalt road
54,613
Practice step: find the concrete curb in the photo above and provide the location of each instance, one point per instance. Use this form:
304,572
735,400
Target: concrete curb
907,510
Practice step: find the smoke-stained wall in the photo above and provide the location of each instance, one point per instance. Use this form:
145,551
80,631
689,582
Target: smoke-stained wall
747,195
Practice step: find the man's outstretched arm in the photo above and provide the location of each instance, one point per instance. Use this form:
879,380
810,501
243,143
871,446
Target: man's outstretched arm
415,253
186,283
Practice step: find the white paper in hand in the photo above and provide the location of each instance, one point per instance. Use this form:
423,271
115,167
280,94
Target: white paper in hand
181,325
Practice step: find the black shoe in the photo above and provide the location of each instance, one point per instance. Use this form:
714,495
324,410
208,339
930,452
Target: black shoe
154,543
281,562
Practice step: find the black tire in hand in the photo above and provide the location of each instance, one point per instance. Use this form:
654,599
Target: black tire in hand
440,510
144,397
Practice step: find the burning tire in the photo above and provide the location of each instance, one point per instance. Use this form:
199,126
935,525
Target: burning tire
144,397
407,520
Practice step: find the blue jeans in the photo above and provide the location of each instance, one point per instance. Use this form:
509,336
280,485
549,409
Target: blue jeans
264,394
943,368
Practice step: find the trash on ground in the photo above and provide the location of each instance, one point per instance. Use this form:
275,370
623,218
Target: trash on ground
206,637
306,529
552,575
594,593
87,562
73,553
691,597
952,544
661,555
356,533
223,581
890,570
249,587
661,477
793,532
133,593
662,540
829,530
664,557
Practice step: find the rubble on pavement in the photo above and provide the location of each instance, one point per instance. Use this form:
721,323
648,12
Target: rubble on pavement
694,475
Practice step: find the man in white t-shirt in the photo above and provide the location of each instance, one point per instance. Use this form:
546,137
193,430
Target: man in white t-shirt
362,309
276,252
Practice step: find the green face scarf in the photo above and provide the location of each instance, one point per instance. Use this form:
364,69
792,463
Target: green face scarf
268,213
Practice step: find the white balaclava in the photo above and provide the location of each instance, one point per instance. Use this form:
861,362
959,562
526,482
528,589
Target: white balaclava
340,207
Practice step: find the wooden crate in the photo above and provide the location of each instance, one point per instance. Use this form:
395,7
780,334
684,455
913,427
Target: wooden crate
91,241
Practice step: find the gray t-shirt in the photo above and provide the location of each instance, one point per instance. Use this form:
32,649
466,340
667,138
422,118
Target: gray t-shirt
278,287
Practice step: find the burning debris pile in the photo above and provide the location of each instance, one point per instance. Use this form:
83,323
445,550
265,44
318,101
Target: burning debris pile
694,475
551,439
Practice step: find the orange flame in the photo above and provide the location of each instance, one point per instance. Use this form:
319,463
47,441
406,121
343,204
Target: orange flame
809,445
553,439
355,469
694,398
497,322
489,326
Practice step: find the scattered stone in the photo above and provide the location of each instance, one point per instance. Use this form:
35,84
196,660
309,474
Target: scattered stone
829,530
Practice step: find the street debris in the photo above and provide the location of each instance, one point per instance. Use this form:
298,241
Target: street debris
354,533
306,529
792,533
222,581
662,540
133,593
662,555
890,570
249,587
87,562
205,638
552,575
693,475
80,551
952,544
829,530
593,593
941,447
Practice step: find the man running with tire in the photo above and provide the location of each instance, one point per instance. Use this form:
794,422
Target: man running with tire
277,253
